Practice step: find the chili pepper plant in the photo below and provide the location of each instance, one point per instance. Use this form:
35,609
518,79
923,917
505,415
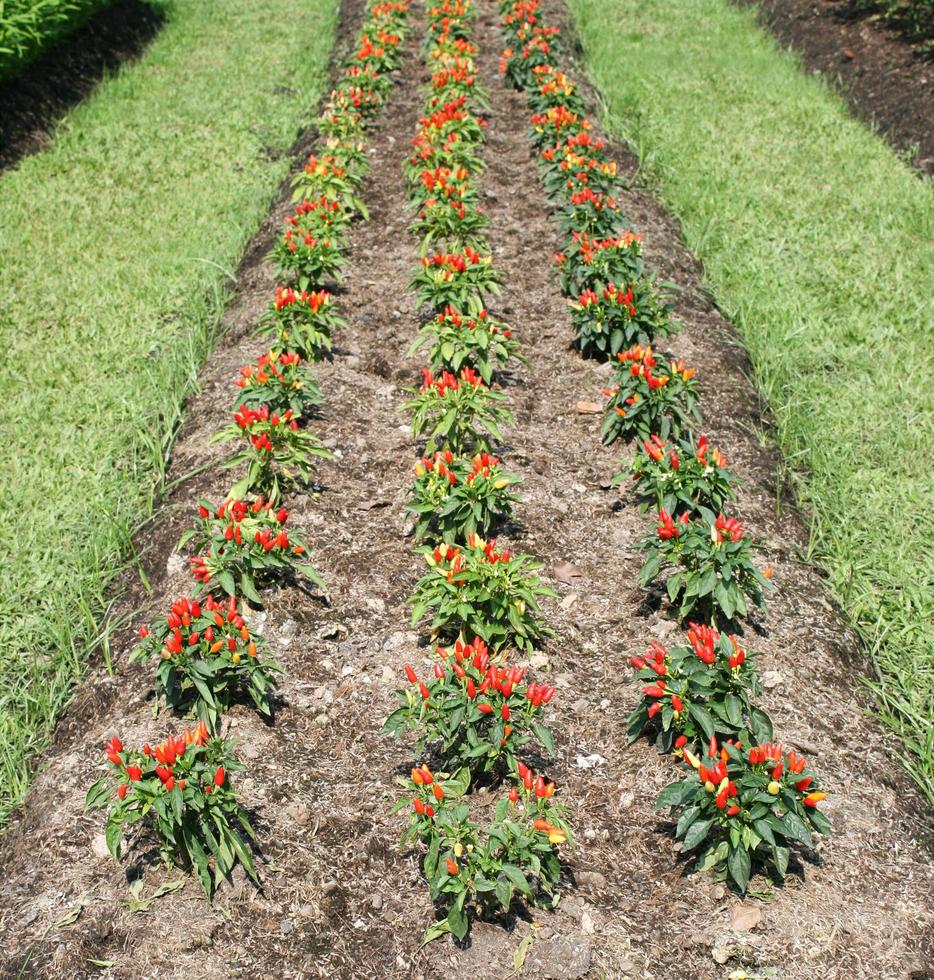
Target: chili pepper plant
649,398
477,591
454,496
459,279
618,316
328,177
476,713
181,789
589,263
480,342
244,546
691,692
744,809
680,477
459,413
474,870
277,451
714,577
206,658
303,323
281,381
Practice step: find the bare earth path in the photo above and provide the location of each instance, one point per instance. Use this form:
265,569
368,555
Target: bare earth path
340,899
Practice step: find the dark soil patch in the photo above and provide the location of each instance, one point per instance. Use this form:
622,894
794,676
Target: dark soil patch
883,79
340,899
32,103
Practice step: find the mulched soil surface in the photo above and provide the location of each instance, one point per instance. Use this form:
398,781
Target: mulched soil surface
883,79
32,103
340,899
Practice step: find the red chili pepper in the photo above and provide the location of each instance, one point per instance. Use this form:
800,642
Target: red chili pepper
219,776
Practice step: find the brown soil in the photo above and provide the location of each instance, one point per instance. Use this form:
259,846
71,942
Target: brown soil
340,899
881,76
32,103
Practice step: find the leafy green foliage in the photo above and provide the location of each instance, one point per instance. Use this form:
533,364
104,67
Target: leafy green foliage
243,546
28,28
182,791
455,342
745,808
691,693
278,451
681,477
476,713
457,413
619,316
649,400
206,657
714,577
453,496
478,870
478,591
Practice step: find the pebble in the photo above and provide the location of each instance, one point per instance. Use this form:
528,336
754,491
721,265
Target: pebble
591,879
175,564
99,846
771,679
559,959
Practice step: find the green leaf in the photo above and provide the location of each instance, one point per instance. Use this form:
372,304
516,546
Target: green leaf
97,795
504,893
796,828
703,718
544,736
687,818
734,710
309,572
248,588
820,822
458,784
457,921
436,931
516,876
740,866
112,834
677,794
696,833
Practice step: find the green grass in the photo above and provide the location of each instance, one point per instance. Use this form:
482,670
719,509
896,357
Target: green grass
819,244
30,27
117,246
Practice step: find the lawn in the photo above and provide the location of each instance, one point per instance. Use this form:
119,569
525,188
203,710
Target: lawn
818,243
116,248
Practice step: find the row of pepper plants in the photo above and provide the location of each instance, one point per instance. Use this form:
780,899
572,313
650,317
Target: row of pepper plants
744,801
476,715
206,656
